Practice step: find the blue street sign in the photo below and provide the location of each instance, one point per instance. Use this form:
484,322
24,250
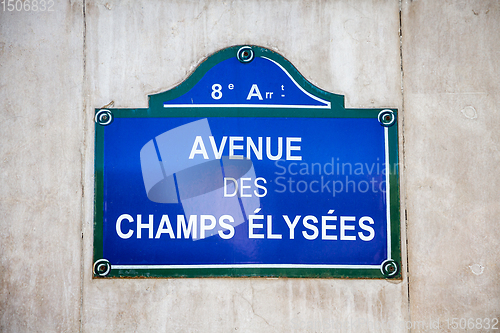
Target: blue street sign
246,169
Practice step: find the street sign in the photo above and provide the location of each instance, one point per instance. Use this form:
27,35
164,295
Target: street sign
246,169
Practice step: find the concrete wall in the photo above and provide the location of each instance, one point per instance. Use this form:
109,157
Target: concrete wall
42,131
451,62
57,66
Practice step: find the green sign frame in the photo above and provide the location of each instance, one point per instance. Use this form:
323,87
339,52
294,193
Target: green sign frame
390,269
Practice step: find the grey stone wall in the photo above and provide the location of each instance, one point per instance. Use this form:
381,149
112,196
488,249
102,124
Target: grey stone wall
441,72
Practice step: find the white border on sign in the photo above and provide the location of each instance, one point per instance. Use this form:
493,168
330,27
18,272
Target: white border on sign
241,266
327,104
389,256
387,193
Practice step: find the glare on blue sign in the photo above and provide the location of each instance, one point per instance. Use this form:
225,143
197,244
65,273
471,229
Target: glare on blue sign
246,169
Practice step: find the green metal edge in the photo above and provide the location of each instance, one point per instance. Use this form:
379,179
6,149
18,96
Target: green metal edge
98,191
244,112
343,273
395,196
361,273
156,100
156,109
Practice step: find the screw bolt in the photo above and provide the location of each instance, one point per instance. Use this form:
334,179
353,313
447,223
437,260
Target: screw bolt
389,268
104,117
245,54
102,267
387,118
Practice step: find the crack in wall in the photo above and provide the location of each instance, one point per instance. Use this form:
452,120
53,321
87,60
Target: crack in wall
403,155
83,155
